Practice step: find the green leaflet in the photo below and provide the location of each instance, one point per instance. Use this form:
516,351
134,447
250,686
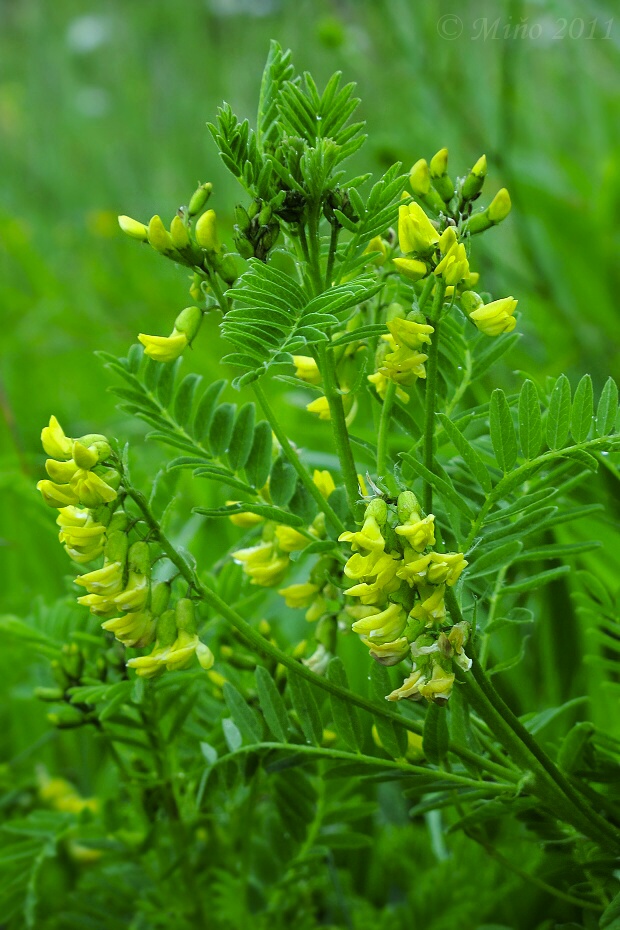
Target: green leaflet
393,738
581,416
530,421
243,716
272,705
306,708
435,737
503,434
558,414
607,409
344,715
468,453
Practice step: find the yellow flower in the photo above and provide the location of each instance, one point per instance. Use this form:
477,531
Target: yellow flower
289,540
136,593
98,605
324,482
90,489
439,686
416,233
73,516
106,581
57,495
388,653
360,566
320,406
90,534
306,369
404,365
369,537
431,607
377,245
60,472
163,348
262,564
445,567
409,688
495,318
454,265
413,568
151,665
411,268
381,382
409,333
54,441
135,629
182,651
383,626
299,595
418,531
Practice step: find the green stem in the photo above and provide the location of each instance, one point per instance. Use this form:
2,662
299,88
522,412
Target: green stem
431,390
539,883
293,458
384,427
426,292
256,641
338,755
340,432
333,245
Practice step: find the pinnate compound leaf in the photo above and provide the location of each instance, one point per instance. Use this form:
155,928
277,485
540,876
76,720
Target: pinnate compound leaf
467,453
242,715
306,708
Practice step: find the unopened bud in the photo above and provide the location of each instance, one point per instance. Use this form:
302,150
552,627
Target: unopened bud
439,164
179,233
160,597
500,206
420,178
407,504
377,508
188,322
159,237
242,219
227,269
199,198
475,179
185,615
133,228
206,231
51,695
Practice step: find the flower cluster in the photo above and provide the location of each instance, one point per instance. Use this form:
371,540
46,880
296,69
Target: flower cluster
399,583
400,358
92,524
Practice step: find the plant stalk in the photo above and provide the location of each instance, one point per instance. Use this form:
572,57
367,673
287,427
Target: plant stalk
431,390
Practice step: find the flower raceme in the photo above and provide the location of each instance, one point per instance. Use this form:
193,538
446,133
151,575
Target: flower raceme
401,587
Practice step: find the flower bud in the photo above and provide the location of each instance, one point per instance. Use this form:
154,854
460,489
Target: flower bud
133,228
407,504
185,615
178,233
227,268
475,179
500,206
411,268
377,508
206,231
159,237
199,198
420,178
438,172
160,597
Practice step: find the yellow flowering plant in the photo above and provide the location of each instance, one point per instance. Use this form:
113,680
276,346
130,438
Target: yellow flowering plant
353,606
